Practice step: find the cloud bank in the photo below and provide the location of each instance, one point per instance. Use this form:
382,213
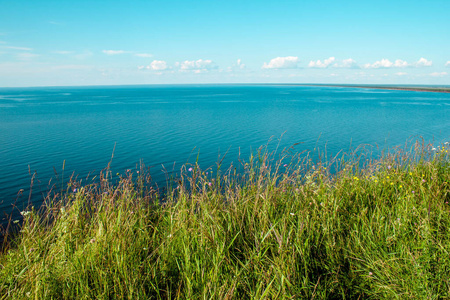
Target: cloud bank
319,64
348,63
197,66
423,62
156,65
288,62
386,63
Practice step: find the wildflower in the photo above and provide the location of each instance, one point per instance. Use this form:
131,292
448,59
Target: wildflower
74,190
24,213
92,241
292,214
400,186
128,170
137,172
387,177
285,165
370,273
209,183
389,167
297,190
412,192
190,169
392,183
423,180
433,149
410,173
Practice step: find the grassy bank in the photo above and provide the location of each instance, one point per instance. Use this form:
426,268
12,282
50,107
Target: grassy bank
284,228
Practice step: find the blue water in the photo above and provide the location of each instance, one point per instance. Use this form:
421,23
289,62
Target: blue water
40,128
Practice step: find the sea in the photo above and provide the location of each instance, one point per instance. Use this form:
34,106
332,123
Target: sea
50,132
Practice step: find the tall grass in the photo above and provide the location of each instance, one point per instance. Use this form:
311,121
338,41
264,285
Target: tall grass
274,228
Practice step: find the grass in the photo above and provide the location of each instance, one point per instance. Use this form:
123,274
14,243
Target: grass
284,228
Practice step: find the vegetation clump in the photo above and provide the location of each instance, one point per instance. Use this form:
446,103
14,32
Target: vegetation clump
283,228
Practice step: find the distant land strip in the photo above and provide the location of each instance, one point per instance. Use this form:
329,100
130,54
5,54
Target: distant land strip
387,87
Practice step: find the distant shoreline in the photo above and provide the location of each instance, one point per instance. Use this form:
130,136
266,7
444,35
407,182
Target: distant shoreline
384,87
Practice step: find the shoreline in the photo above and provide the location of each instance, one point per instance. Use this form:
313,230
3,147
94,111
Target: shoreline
384,87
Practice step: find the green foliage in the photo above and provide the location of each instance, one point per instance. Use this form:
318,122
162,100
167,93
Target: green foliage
275,230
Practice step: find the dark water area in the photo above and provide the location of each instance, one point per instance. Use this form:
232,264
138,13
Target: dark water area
43,128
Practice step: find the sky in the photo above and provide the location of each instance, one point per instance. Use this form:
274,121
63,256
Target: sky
115,42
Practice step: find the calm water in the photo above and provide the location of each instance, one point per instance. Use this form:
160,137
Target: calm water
42,127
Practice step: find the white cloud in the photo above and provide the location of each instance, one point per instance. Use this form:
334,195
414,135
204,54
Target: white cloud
401,73
400,64
288,62
438,74
447,64
197,66
240,64
237,66
113,52
347,63
384,63
157,65
146,55
423,62
320,64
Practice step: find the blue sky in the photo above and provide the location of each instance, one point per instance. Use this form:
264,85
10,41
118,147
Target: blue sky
50,42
